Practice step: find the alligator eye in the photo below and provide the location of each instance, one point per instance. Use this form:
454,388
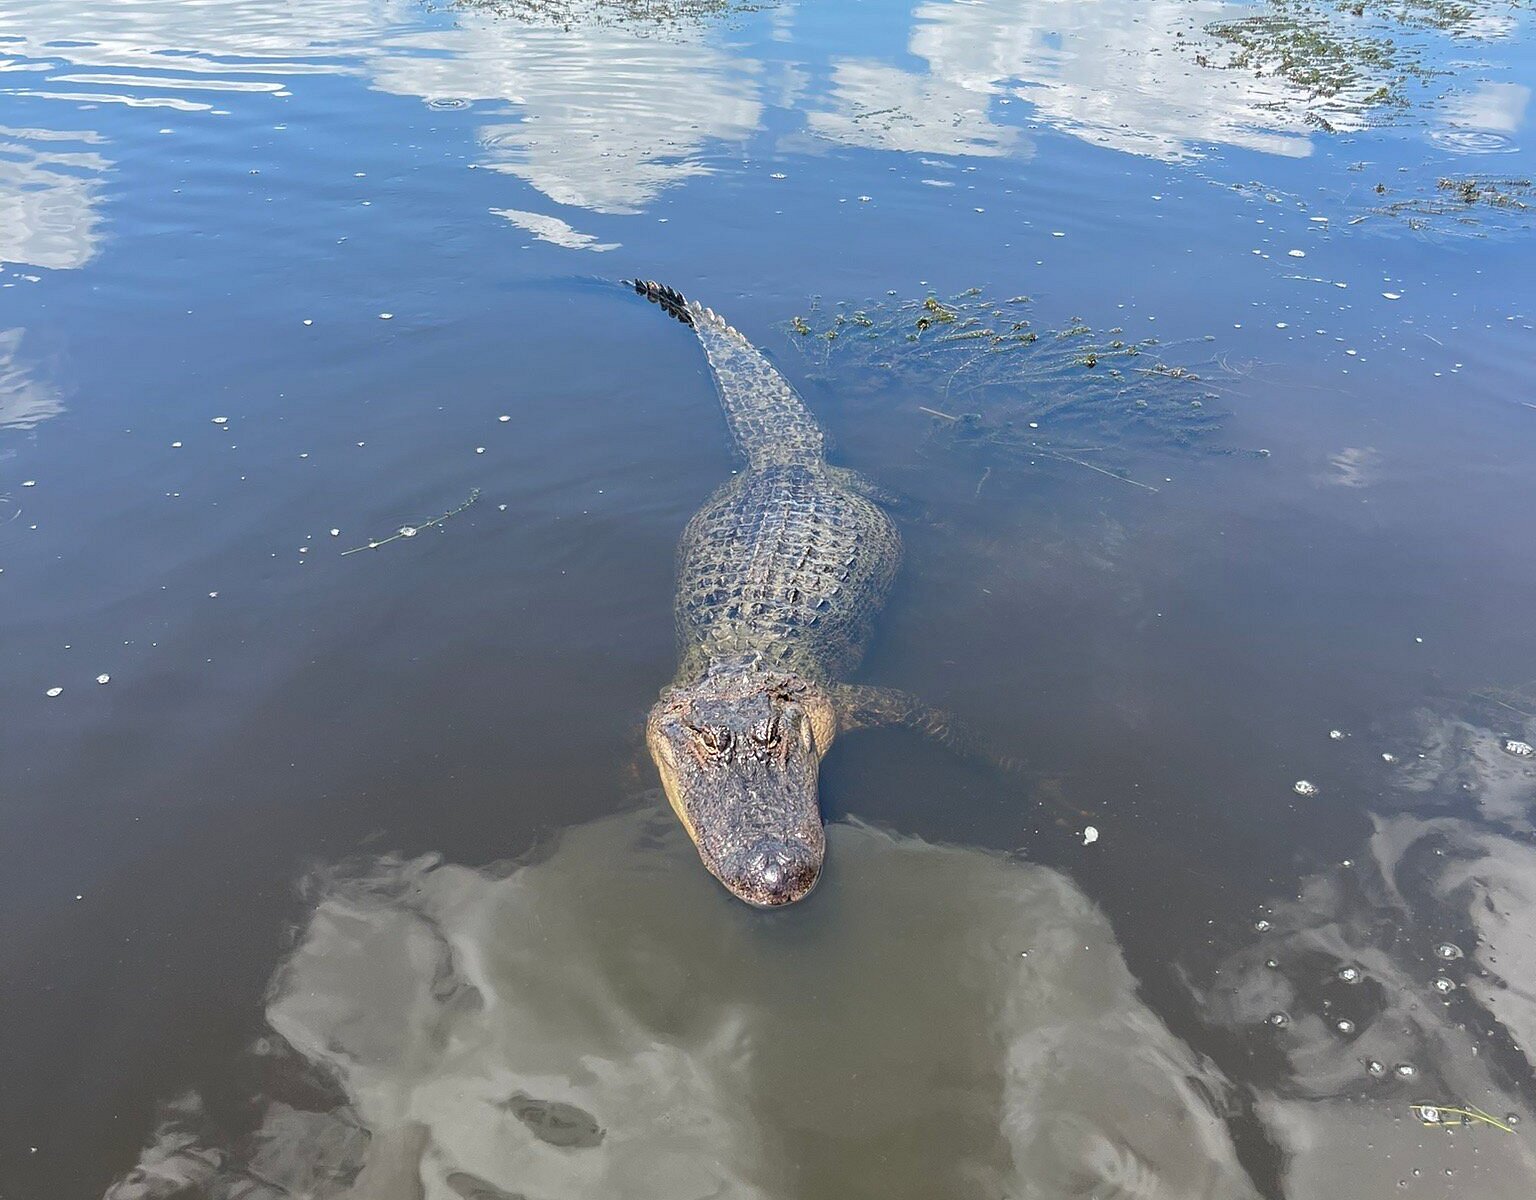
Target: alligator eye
766,731
716,738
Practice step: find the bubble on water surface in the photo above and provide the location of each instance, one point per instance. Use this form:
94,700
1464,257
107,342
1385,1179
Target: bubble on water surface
447,102
1304,787
1350,974
1444,986
1374,1068
1279,1019
103,678
1448,950
1405,1071
55,691
1345,1026
1518,748
1336,734
1261,925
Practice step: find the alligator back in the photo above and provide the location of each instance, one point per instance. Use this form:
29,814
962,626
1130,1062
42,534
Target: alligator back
790,561
786,564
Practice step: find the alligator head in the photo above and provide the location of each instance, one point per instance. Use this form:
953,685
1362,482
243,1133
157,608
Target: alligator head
738,751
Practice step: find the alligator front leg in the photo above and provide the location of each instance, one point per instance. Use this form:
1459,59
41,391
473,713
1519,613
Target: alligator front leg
863,707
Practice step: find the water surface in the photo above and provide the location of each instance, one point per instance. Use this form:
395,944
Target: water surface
1212,457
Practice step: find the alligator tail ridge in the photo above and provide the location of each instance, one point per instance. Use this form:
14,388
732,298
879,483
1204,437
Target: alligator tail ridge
671,301
769,422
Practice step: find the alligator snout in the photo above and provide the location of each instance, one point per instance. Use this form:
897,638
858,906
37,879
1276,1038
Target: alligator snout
776,872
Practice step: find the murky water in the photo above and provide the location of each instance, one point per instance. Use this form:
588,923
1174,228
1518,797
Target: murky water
1195,342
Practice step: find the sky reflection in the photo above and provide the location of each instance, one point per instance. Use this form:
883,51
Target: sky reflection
598,1023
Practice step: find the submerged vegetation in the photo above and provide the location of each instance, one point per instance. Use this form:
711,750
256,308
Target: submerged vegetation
994,381
1342,70
1458,17
1353,61
1480,201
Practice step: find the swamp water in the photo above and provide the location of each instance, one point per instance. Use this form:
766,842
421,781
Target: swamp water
1195,343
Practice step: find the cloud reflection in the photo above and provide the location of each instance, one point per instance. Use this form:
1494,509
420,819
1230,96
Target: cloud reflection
600,114
602,1022
24,400
607,116
554,230
50,184
1405,975
1119,74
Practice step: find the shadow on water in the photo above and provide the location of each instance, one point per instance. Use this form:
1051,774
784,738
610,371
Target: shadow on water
599,1022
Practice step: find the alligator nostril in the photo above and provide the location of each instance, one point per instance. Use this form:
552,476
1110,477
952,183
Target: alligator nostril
778,872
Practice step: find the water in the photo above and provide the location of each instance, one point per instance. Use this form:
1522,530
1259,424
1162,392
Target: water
273,277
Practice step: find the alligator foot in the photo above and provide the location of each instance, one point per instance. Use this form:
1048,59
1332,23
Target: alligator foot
862,707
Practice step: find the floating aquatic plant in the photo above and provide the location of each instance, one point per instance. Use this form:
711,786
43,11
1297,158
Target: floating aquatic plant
1450,1116
1478,202
1344,70
1352,61
571,13
991,379
412,529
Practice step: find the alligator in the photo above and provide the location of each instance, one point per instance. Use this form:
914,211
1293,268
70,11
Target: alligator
780,577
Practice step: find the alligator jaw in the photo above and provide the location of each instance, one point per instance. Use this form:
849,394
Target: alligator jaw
738,752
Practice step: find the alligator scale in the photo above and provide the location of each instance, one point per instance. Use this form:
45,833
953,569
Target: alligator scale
780,577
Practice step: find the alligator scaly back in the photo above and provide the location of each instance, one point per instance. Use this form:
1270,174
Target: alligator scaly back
769,422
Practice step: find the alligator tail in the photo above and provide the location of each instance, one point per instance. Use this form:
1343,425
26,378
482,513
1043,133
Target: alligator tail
671,300
768,420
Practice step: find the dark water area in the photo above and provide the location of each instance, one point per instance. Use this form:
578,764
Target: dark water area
1195,343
